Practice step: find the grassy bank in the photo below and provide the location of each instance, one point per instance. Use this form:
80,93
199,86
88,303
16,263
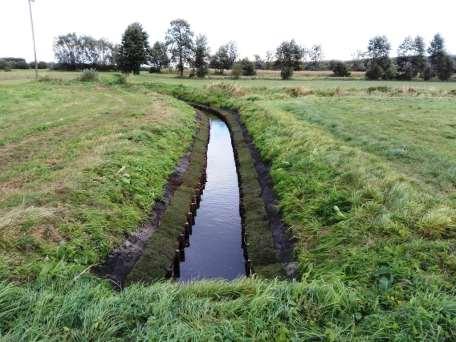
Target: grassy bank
81,164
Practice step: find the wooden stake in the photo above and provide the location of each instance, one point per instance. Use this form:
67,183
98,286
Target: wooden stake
177,264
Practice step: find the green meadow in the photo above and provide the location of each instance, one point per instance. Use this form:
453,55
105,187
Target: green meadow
365,174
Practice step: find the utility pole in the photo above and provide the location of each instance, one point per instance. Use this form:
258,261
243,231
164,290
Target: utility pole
33,37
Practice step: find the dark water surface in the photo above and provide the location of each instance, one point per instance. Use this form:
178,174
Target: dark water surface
215,246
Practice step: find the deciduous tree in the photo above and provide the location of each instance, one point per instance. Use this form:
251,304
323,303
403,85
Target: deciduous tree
379,64
158,57
201,56
179,40
225,57
289,56
315,55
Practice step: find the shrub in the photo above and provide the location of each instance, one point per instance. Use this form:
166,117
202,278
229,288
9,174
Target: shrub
298,91
5,65
248,67
286,72
339,69
21,64
390,72
88,75
236,70
226,89
154,70
42,65
374,72
381,89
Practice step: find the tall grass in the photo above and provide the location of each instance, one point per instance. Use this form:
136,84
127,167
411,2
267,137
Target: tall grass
249,309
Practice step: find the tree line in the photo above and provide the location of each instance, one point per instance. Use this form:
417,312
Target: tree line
413,59
183,49
74,52
9,63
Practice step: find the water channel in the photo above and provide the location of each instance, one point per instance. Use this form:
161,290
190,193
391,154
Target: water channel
215,249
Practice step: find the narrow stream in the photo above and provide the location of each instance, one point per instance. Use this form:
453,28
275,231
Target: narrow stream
215,245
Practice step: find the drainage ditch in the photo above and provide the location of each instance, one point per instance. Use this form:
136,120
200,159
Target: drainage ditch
218,218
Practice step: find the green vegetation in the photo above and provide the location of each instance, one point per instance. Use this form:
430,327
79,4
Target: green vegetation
81,164
364,172
134,49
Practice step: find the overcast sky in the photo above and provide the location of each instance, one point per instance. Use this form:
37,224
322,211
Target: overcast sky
257,26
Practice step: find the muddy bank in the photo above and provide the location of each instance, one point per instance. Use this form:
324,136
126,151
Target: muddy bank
122,260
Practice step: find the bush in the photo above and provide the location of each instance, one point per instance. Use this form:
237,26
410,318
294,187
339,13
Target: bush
42,65
286,72
154,70
381,70
21,64
339,69
4,65
88,75
390,72
236,71
248,67
374,72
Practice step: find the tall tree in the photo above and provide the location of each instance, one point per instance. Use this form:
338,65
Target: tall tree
411,58
379,64
201,56
420,54
158,57
315,55
179,40
67,50
441,63
225,57
289,56
260,64
269,62
405,59
134,49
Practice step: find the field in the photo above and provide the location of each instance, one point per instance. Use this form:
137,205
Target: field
80,167
365,173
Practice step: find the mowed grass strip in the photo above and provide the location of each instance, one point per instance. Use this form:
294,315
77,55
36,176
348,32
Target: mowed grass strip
80,166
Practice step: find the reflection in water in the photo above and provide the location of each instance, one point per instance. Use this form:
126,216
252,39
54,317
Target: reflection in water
215,246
